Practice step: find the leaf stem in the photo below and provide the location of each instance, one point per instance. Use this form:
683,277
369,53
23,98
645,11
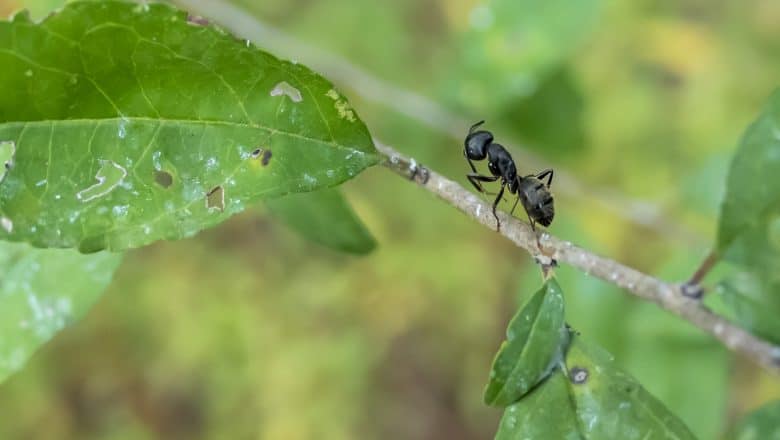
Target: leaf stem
704,268
668,296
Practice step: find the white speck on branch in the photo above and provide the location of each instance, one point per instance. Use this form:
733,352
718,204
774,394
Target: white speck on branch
667,295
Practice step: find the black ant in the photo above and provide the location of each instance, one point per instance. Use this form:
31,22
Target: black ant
535,195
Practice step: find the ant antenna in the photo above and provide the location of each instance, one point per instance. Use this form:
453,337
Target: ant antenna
471,130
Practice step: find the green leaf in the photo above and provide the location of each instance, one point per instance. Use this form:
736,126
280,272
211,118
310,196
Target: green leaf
749,228
752,304
552,118
752,200
513,44
42,291
545,413
592,400
761,424
132,123
535,340
611,404
324,217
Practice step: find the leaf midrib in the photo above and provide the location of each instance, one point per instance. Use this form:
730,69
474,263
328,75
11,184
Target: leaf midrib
174,121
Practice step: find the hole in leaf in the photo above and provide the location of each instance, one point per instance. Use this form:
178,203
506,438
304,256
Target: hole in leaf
578,375
266,157
7,152
197,20
256,153
108,176
284,88
163,178
215,199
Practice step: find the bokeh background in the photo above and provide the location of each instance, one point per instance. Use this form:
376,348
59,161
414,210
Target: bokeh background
249,331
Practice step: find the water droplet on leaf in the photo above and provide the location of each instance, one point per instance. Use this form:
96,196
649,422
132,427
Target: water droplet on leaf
7,224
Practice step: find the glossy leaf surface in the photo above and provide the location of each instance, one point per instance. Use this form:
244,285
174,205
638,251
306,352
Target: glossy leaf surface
752,201
42,291
593,400
133,123
612,404
752,302
535,339
545,412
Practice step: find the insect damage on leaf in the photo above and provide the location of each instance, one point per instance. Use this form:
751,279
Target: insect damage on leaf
284,88
266,158
163,178
578,375
341,106
109,176
7,152
197,20
149,108
215,199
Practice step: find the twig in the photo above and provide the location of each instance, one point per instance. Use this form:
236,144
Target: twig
704,268
428,112
667,295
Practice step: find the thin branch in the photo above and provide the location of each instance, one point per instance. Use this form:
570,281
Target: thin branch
704,268
667,295
429,113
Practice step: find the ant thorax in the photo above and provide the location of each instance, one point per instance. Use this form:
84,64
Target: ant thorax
500,163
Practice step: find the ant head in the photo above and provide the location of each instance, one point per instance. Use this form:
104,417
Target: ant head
476,142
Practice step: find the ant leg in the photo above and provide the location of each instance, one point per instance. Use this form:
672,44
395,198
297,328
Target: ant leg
544,173
538,243
512,212
495,204
471,164
476,178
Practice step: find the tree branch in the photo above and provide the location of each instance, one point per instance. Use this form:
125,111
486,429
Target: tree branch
667,295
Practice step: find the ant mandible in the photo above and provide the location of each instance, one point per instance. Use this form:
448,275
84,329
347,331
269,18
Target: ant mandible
531,191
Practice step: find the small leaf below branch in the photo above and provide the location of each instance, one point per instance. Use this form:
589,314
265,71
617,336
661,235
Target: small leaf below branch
535,340
42,291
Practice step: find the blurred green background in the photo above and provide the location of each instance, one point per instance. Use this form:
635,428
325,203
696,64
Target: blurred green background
249,331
